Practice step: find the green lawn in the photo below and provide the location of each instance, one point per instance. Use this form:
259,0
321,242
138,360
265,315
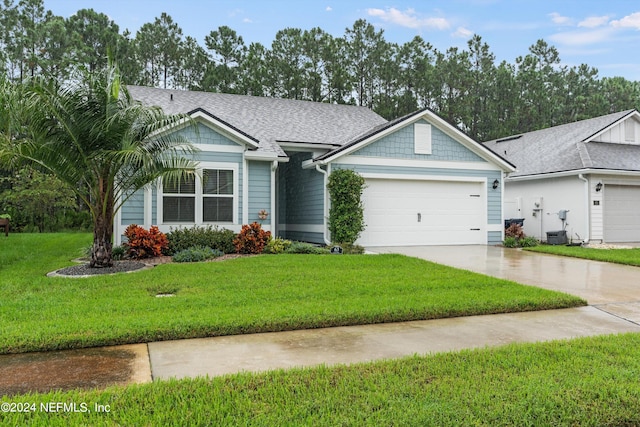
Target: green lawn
246,295
619,256
586,382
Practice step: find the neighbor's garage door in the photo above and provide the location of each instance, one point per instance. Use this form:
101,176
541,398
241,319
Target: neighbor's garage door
403,212
621,213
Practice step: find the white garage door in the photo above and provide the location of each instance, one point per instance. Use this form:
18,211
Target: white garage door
621,213
403,212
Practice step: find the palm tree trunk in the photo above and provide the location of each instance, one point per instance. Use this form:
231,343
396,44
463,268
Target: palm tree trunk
103,229
101,250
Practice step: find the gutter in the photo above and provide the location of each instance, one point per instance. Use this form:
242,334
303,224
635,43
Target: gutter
325,214
587,205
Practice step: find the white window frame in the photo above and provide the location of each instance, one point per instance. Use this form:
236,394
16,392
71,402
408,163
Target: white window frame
199,196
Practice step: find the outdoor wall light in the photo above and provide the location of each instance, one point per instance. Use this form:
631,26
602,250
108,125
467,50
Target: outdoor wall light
599,186
496,183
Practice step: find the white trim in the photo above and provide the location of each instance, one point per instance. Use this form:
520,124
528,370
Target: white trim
263,155
245,191
148,206
611,125
272,214
495,227
117,226
574,172
198,197
202,117
308,228
306,146
412,163
425,178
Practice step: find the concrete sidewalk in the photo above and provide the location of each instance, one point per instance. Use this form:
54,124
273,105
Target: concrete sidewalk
613,290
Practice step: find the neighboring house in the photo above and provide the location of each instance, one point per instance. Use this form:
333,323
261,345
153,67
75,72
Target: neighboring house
426,182
590,168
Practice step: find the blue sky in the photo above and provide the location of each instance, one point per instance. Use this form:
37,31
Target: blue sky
602,34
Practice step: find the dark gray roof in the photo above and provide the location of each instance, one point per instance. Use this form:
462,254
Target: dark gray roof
568,147
268,120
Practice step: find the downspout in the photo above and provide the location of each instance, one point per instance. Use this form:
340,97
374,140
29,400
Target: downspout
587,205
325,231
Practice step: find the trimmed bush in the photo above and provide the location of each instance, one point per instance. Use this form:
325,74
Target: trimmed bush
252,239
212,237
346,216
196,254
306,248
277,245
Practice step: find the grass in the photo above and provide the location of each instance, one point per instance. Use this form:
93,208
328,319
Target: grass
618,256
586,382
245,295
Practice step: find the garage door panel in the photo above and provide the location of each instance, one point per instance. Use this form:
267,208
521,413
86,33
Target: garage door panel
621,213
450,213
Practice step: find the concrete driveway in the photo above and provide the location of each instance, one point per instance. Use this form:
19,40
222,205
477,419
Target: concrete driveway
612,288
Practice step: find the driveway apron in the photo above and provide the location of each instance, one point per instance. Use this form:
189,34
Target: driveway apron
613,288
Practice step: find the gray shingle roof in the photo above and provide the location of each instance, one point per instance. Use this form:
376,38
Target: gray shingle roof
268,120
567,147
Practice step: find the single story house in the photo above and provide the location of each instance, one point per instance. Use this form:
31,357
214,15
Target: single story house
588,171
427,182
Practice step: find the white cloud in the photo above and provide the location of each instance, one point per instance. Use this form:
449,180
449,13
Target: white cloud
247,21
329,9
462,33
582,38
409,18
559,19
629,21
594,21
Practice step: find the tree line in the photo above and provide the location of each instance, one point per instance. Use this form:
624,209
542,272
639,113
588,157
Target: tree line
466,86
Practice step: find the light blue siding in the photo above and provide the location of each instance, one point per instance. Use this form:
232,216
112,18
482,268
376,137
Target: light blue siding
205,135
302,198
400,145
259,191
495,238
133,210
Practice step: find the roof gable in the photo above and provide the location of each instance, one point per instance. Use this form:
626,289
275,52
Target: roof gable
470,150
572,146
266,120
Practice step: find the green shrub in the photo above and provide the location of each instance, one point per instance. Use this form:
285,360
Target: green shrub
350,248
212,237
252,239
196,254
306,248
510,242
277,245
118,252
346,216
528,242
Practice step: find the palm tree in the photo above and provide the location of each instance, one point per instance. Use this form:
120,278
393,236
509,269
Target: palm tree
92,135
